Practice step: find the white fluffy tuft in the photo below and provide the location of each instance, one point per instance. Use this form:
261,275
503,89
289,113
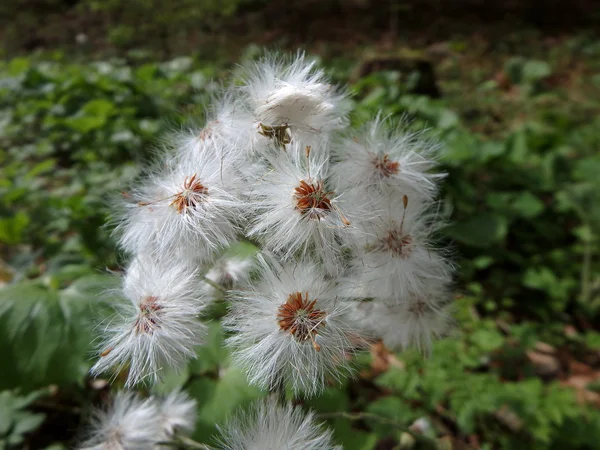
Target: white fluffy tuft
269,426
156,326
271,354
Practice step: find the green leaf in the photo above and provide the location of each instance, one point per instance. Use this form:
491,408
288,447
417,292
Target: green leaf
11,228
218,399
99,108
483,230
45,334
15,419
487,339
534,70
213,354
528,205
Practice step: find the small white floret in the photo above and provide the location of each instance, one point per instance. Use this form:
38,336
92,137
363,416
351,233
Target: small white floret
269,426
388,161
188,210
177,414
156,326
290,329
130,423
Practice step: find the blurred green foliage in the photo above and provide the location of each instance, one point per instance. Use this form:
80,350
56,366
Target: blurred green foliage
525,215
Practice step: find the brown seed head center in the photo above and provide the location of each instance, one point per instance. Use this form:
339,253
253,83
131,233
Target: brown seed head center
194,193
398,243
386,166
312,199
147,320
300,318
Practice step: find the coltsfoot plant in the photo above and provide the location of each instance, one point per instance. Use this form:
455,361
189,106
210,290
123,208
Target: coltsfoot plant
344,223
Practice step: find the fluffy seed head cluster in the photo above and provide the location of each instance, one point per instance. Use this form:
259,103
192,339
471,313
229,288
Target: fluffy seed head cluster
269,426
134,423
346,223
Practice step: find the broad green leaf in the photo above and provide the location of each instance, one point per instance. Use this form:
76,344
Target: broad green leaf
534,70
528,205
482,230
12,228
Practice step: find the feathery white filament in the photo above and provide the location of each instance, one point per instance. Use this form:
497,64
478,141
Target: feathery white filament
387,161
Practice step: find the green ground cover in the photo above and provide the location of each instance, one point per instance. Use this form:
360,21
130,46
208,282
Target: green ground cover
521,131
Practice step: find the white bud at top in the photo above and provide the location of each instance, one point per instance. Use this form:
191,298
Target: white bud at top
292,98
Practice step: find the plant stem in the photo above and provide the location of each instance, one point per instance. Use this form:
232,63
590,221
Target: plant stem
217,286
186,443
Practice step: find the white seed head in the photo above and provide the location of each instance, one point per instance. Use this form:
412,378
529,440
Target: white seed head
290,328
177,414
188,210
395,255
269,426
156,326
387,161
130,423
294,212
414,321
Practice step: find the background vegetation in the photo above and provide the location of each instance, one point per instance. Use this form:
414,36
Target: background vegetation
87,89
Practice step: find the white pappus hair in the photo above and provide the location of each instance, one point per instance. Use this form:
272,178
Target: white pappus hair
130,423
415,321
134,423
394,252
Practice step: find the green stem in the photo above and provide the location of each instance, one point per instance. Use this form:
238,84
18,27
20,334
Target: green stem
185,443
217,286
